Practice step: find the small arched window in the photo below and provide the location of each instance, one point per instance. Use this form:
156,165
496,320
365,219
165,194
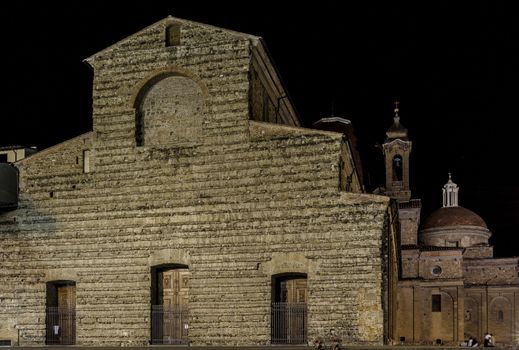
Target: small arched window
500,315
397,168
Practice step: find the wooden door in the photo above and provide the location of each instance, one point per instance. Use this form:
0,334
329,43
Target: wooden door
293,291
294,294
67,313
175,301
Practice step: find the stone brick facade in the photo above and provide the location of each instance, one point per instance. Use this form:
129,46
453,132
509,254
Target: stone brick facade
176,171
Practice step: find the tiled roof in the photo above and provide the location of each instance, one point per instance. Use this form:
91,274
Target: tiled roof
453,216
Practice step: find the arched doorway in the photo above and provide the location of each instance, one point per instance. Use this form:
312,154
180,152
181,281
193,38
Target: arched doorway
289,309
61,313
169,304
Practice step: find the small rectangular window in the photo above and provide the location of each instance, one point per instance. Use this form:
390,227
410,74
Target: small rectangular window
3,158
173,35
86,161
436,303
452,243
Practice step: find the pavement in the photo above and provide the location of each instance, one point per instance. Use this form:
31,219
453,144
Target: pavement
276,347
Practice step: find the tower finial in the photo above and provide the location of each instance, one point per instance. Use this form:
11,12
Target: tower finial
397,117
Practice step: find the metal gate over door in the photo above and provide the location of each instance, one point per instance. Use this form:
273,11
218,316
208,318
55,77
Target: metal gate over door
170,324
289,323
61,325
61,313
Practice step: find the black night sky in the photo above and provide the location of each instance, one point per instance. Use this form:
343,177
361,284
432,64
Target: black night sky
454,68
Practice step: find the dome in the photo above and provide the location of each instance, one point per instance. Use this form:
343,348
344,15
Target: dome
453,216
452,225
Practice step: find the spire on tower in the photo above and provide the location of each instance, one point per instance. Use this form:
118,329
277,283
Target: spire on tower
397,130
396,118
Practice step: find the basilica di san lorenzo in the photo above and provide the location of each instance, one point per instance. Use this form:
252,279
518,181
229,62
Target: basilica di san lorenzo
198,211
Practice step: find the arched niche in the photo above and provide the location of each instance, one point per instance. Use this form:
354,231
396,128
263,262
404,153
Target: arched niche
169,110
500,319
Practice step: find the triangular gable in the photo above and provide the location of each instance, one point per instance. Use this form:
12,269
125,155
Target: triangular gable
215,33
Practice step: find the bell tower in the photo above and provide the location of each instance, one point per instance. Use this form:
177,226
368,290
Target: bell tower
397,149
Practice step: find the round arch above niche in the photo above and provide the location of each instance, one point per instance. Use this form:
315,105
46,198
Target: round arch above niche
170,110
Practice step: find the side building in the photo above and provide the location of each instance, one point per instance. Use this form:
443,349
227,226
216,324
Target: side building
451,287
197,211
11,154
9,174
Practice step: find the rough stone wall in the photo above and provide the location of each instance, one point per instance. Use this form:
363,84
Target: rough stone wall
409,222
450,263
33,246
410,263
419,324
241,203
441,325
171,112
494,309
397,189
488,300
269,102
491,271
216,60
262,107
478,252
405,316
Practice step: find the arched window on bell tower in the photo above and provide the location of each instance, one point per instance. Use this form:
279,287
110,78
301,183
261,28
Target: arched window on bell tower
397,168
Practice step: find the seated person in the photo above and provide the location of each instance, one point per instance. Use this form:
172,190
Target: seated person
475,343
470,342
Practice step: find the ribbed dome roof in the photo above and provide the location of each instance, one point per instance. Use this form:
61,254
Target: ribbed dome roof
453,216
